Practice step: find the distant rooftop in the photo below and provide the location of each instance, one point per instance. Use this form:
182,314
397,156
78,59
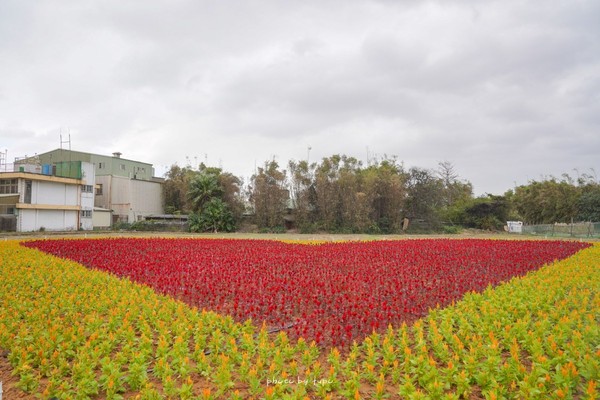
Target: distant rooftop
116,154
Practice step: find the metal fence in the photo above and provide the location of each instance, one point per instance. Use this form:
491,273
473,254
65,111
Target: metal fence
575,230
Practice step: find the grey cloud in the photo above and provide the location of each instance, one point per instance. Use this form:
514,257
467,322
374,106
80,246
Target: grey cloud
487,84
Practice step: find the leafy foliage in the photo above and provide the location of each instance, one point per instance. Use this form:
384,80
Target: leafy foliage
269,195
214,216
588,204
210,196
424,197
175,189
488,213
203,187
339,194
553,200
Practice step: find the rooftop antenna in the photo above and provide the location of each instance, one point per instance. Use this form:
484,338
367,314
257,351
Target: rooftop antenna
61,147
65,141
4,159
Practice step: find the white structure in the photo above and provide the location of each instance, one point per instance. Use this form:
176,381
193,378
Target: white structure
125,187
32,201
514,226
129,199
102,218
87,196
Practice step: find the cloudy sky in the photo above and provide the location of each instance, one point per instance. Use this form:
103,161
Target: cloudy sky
506,90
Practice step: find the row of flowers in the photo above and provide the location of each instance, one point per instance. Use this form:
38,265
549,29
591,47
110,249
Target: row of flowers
71,332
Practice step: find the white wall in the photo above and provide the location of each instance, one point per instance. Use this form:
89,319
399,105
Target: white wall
33,168
50,220
89,178
102,219
87,199
146,199
86,223
44,192
120,196
49,193
130,197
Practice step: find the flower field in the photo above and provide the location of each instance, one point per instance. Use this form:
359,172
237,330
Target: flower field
332,293
76,332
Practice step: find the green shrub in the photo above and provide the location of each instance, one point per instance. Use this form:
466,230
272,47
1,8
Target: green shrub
451,229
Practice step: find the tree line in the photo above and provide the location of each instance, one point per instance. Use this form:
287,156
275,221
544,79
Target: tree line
563,199
340,194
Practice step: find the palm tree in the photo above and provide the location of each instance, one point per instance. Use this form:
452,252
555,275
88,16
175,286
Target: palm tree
202,188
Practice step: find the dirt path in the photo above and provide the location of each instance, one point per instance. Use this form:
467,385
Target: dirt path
9,389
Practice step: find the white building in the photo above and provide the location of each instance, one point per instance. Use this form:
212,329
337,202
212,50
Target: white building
125,187
31,201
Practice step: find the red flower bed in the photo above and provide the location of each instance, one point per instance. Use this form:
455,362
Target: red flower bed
333,293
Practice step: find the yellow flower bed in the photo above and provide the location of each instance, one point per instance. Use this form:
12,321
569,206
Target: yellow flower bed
77,333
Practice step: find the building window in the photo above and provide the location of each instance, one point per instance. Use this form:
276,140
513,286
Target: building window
122,166
28,189
99,189
101,165
86,213
9,186
7,209
87,189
